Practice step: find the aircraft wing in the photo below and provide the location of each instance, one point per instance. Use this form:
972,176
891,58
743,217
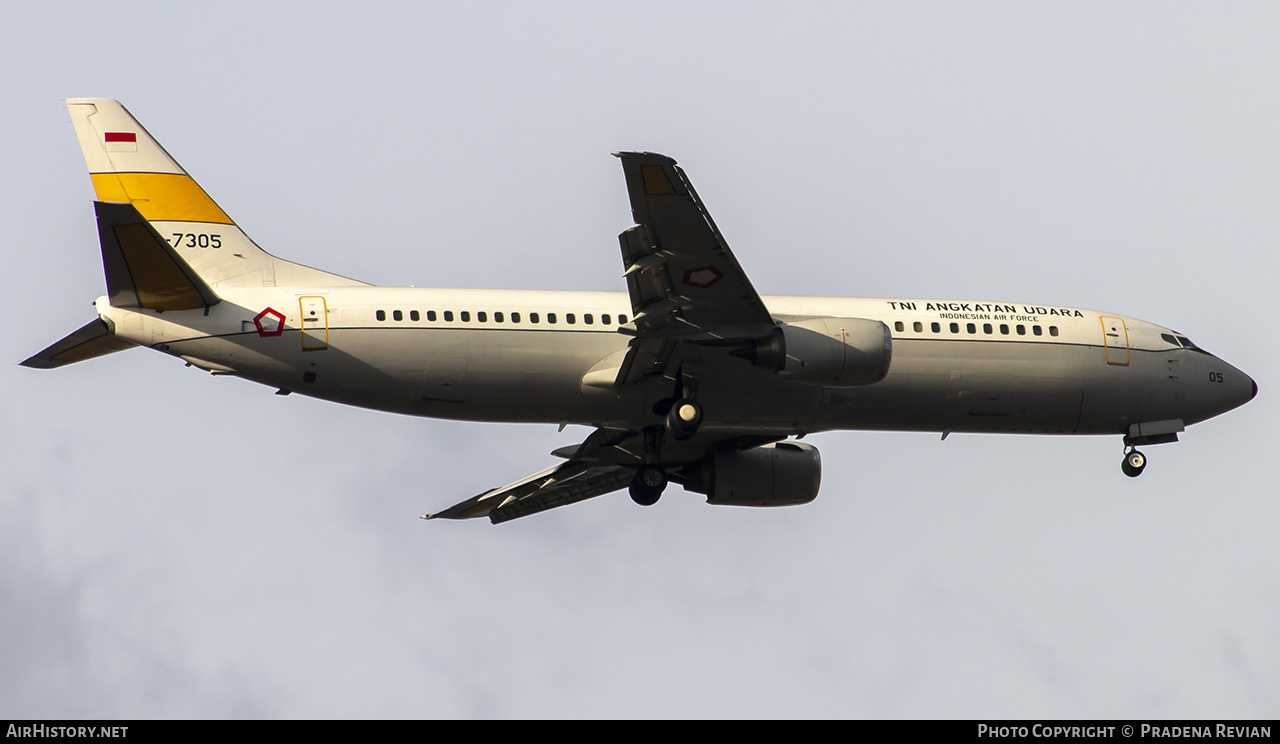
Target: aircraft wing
561,485
686,287
682,277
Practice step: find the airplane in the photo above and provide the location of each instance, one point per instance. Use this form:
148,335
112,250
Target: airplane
690,376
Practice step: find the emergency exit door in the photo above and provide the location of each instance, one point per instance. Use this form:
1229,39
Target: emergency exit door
1115,338
315,323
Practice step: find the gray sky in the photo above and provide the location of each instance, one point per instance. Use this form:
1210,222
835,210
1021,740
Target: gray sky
173,544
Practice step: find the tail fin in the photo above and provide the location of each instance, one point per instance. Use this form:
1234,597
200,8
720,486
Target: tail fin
128,165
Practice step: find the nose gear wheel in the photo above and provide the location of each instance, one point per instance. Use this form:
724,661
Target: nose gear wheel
1133,463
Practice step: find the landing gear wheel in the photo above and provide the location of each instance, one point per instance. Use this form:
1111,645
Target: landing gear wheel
684,418
648,485
1134,462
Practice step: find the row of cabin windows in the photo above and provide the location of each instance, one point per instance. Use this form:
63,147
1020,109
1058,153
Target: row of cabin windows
500,317
972,328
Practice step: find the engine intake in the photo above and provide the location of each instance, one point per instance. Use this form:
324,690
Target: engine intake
779,474
839,352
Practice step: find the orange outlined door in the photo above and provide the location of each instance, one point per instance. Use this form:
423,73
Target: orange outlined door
1115,337
315,323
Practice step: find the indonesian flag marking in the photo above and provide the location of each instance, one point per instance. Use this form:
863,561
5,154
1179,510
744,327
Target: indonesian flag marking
120,141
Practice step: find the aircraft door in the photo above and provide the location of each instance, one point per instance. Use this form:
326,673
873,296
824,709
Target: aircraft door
1115,338
315,323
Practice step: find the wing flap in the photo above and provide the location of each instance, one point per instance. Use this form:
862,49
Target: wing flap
559,485
592,482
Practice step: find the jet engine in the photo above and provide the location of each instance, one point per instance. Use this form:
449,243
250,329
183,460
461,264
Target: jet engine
778,474
839,352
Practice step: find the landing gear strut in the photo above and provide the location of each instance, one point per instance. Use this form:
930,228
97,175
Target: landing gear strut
1133,463
648,485
685,415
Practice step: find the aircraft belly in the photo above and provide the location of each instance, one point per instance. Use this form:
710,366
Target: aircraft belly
1117,395
480,375
967,386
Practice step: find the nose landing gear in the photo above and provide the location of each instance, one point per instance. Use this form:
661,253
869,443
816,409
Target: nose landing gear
1133,463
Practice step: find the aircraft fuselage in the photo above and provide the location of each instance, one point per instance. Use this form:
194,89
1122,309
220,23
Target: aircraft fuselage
545,356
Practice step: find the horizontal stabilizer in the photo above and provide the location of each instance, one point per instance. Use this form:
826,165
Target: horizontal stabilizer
94,339
142,269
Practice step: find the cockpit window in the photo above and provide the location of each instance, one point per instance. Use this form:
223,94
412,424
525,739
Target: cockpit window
1178,339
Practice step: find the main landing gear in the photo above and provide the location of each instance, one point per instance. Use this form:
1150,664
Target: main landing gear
1133,463
683,418
648,485
685,415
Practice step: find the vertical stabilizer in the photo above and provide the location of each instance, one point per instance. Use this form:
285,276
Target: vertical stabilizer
129,166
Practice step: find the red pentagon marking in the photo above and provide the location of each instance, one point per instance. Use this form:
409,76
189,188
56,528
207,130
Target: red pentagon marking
269,322
703,276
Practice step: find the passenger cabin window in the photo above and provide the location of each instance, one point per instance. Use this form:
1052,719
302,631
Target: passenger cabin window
482,316
588,319
533,317
971,328
919,327
465,316
448,316
955,327
622,320
381,315
397,315
604,319
1004,329
1037,331
515,317
551,318
497,317
986,328
898,326
1022,330
1053,330
570,319
413,315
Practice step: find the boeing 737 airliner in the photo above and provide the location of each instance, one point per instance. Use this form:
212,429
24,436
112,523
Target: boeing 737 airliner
690,376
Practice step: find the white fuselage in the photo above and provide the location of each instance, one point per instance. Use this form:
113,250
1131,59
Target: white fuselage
548,356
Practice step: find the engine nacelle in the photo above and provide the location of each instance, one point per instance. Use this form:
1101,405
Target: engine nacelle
779,474
839,352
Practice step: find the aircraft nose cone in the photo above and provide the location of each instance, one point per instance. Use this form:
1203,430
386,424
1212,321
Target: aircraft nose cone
1244,390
